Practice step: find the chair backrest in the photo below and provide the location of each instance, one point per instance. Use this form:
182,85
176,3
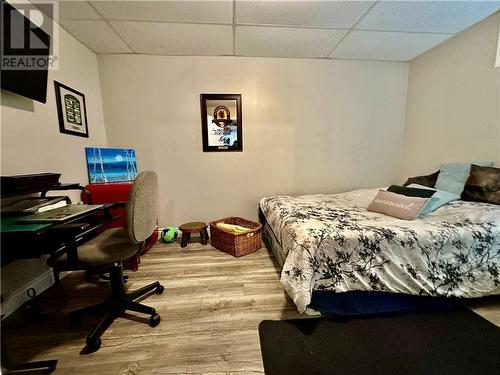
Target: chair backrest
142,207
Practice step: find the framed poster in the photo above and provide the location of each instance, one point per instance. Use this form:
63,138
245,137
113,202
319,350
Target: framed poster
221,122
71,110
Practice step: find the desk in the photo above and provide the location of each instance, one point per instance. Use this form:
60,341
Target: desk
31,240
10,224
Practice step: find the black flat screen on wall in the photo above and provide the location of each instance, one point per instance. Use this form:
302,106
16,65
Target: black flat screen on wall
16,51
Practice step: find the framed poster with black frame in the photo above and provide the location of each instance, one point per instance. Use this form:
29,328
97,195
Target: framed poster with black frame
221,122
71,110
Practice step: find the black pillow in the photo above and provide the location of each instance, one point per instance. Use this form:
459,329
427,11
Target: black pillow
410,191
428,180
483,185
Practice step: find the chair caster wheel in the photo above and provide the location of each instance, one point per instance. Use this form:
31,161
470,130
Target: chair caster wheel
159,289
154,320
93,345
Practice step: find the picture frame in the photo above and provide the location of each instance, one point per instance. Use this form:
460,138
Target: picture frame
221,122
109,165
71,110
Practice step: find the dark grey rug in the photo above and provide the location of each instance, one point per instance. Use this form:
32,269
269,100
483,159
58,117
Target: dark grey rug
447,342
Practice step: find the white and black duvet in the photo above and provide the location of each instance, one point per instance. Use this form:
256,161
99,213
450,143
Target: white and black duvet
333,243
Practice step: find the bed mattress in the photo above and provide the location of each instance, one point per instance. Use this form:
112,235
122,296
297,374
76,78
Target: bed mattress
332,243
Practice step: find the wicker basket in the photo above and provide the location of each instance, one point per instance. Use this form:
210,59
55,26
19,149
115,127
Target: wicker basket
236,244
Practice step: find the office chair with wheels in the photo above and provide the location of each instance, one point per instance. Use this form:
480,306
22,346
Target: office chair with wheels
109,249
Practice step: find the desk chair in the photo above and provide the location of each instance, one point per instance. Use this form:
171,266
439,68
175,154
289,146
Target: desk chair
109,249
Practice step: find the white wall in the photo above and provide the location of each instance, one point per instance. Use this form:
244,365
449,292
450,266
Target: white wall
453,107
309,126
31,142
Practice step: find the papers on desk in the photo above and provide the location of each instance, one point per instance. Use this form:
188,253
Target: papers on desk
34,204
61,214
52,206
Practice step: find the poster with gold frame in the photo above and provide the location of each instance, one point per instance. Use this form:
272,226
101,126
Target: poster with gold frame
221,122
71,110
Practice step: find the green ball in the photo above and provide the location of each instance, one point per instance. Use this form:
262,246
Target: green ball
169,234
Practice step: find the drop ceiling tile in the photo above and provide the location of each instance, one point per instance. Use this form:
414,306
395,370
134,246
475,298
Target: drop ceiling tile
176,38
381,45
427,16
286,42
220,11
335,14
96,35
77,10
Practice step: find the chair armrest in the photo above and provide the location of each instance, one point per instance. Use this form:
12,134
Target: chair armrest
109,206
114,205
74,186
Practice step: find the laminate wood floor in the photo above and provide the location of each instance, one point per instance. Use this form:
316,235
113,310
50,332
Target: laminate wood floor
210,312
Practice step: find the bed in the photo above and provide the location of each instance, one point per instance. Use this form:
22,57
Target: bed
331,243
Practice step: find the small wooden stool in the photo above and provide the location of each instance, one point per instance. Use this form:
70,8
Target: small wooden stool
195,227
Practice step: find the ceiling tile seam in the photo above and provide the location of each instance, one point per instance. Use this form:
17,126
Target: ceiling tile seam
165,21
261,25
80,19
213,24
461,29
470,25
68,31
74,36
338,43
266,57
286,26
112,28
407,32
234,27
367,59
352,28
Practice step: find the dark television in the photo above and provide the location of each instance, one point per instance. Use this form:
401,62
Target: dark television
31,83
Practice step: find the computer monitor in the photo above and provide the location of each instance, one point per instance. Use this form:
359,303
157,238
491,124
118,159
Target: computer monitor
107,165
